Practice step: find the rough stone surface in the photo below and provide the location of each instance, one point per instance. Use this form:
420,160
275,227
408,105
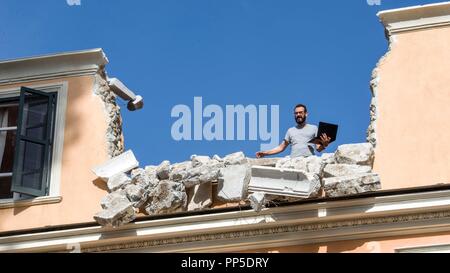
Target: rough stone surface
188,185
314,164
198,160
265,161
360,153
235,159
284,182
113,136
233,182
113,198
199,197
167,197
163,170
118,181
328,158
202,174
118,214
151,170
374,82
144,180
135,194
298,163
335,170
179,171
310,164
257,201
353,184
136,172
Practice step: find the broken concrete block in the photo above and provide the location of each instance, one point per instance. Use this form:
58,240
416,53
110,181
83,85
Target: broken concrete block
336,170
151,170
116,215
233,182
202,174
314,164
361,154
218,158
178,171
284,182
136,172
143,180
199,196
353,184
119,164
198,160
257,201
113,198
167,197
118,181
163,170
235,159
328,158
134,192
297,163
265,161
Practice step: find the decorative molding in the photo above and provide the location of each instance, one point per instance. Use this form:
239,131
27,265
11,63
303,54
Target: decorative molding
416,17
306,232
283,182
30,202
77,63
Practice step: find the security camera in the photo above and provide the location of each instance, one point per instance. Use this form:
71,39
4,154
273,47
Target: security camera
134,102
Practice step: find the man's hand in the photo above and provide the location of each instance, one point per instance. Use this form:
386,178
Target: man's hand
324,140
260,154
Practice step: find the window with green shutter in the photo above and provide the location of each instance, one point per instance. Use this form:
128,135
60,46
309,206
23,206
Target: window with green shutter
32,141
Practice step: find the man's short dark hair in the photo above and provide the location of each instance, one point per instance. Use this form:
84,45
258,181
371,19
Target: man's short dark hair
301,105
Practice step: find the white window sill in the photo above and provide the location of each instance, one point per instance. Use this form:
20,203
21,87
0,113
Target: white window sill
8,203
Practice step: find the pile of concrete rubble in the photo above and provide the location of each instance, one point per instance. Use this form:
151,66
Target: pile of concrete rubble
188,186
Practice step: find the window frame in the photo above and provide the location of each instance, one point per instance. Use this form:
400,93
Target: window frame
61,88
10,101
47,143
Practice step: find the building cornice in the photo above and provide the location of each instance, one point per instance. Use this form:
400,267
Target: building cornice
67,64
416,17
369,217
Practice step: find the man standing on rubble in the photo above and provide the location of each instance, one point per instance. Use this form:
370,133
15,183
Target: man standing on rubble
299,136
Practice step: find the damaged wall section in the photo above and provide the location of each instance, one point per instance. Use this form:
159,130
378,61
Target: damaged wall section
187,186
114,135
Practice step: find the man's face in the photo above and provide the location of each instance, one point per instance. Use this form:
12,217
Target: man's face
300,115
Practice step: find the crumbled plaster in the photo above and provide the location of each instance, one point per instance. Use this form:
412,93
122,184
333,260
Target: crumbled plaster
187,186
113,136
371,130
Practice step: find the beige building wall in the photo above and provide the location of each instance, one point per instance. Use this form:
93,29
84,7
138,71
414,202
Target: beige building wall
84,147
413,97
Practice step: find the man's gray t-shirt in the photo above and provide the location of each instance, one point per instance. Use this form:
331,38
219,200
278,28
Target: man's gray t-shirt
299,137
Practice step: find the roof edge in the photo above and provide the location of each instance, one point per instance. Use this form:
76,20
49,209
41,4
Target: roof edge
416,17
50,66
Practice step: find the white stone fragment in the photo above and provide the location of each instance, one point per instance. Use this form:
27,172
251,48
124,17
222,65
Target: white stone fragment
284,182
119,164
233,182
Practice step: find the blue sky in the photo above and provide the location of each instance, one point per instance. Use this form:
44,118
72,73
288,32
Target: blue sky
229,52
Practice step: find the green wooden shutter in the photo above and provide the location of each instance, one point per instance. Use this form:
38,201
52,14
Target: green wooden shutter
34,142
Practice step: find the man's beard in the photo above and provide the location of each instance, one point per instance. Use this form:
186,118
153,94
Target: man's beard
300,120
